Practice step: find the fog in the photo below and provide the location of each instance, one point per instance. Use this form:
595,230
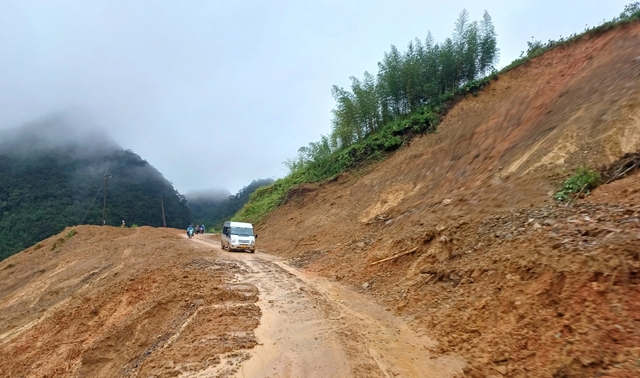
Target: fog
214,195
70,131
215,94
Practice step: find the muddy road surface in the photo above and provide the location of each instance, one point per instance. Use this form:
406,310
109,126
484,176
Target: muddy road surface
311,327
110,302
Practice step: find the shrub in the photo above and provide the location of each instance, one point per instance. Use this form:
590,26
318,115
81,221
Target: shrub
57,244
583,181
631,11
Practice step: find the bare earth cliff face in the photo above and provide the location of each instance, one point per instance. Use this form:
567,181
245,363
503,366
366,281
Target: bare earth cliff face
448,259
517,284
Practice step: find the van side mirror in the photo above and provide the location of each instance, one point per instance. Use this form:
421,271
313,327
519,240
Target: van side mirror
255,236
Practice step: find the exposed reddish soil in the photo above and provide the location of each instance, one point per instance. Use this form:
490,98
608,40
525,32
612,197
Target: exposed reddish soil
449,258
494,269
109,302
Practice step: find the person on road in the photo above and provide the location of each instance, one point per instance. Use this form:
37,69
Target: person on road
190,230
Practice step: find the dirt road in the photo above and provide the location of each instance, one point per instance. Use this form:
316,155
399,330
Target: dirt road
112,302
311,327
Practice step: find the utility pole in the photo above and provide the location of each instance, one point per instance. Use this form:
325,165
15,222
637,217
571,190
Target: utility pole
106,178
164,221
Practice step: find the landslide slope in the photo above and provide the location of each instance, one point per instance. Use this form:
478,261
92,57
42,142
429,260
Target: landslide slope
112,302
519,285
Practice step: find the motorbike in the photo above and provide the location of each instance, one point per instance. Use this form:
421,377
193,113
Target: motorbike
190,233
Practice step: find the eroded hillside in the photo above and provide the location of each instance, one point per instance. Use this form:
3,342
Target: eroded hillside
475,269
519,285
106,302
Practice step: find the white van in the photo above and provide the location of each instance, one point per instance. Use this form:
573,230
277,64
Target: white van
238,236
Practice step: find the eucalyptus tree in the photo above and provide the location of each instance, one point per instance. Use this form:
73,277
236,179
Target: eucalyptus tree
343,132
367,105
390,82
488,45
448,63
412,78
471,55
459,46
405,82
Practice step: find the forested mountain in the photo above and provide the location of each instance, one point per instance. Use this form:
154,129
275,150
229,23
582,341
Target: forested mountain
52,176
213,207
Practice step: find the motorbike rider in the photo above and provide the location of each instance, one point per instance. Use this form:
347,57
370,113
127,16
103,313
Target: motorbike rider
190,230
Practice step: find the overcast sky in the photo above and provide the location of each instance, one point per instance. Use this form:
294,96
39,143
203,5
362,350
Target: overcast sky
218,93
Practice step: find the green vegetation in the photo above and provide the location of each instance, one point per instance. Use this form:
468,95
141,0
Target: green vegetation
631,13
45,190
406,96
584,180
410,94
267,198
57,244
213,209
71,233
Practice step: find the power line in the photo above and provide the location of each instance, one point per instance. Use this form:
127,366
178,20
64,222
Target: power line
94,199
105,182
164,221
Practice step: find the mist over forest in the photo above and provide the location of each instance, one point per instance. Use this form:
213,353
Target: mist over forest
214,206
73,132
214,194
52,176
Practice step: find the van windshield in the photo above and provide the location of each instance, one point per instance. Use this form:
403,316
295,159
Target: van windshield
242,231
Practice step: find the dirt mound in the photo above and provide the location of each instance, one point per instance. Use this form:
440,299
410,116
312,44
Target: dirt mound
105,302
479,251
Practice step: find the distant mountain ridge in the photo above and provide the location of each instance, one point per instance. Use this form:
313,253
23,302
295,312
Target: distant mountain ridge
213,207
51,176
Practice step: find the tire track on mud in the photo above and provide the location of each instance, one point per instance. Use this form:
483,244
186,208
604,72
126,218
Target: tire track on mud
312,327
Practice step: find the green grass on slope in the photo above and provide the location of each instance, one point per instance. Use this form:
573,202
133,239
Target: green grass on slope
425,120
374,148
